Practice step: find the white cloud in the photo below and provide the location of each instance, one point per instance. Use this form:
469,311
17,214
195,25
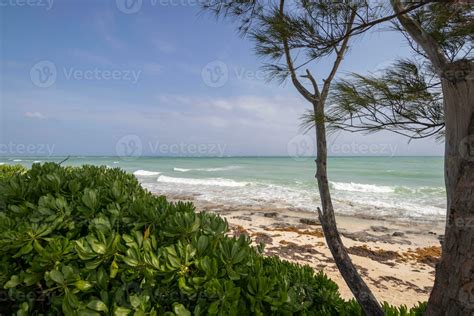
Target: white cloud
223,104
35,115
245,123
250,111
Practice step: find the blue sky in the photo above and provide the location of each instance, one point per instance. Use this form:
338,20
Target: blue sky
85,77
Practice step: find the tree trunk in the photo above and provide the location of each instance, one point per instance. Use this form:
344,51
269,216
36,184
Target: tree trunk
453,291
359,288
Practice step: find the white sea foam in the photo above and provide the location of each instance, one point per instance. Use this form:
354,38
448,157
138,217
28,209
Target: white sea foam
17,160
116,162
181,169
271,195
207,169
209,181
37,161
359,187
395,208
421,190
372,188
146,173
395,193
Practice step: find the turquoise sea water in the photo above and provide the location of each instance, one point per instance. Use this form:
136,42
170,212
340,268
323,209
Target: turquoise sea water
400,187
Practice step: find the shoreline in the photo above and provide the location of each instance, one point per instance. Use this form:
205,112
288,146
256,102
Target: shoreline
396,258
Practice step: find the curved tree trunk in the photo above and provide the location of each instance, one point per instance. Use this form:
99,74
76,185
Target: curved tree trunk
359,289
328,221
453,291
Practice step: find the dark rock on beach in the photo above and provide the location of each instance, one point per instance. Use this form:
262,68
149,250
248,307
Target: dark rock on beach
309,221
379,229
270,214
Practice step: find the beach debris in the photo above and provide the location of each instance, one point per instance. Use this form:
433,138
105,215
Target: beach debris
244,218
379,229
407,284
270,214
427,255
398,234
378,255
315,233
293,251
260,237
364,236
238,230
310,221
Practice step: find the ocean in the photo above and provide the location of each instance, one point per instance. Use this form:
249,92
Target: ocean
410,188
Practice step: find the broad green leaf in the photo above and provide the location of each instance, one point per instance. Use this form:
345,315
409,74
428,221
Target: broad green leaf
180,310
97,305
121,311
56,276
13,282
83,285
113,269
23,311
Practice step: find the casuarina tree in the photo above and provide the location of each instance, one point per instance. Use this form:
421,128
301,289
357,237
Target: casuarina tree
431,94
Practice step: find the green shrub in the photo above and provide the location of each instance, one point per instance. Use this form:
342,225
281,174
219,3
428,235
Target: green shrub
418,310
6,171
92,241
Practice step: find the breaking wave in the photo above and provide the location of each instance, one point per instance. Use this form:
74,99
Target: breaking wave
209,182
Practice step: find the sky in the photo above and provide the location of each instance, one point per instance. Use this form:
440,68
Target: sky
160,78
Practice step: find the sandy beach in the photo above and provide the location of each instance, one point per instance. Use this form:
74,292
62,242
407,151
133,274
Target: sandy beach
397,259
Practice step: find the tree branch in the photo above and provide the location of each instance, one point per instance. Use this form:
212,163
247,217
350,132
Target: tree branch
301,89
337,62
362,28
313,82
425,40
